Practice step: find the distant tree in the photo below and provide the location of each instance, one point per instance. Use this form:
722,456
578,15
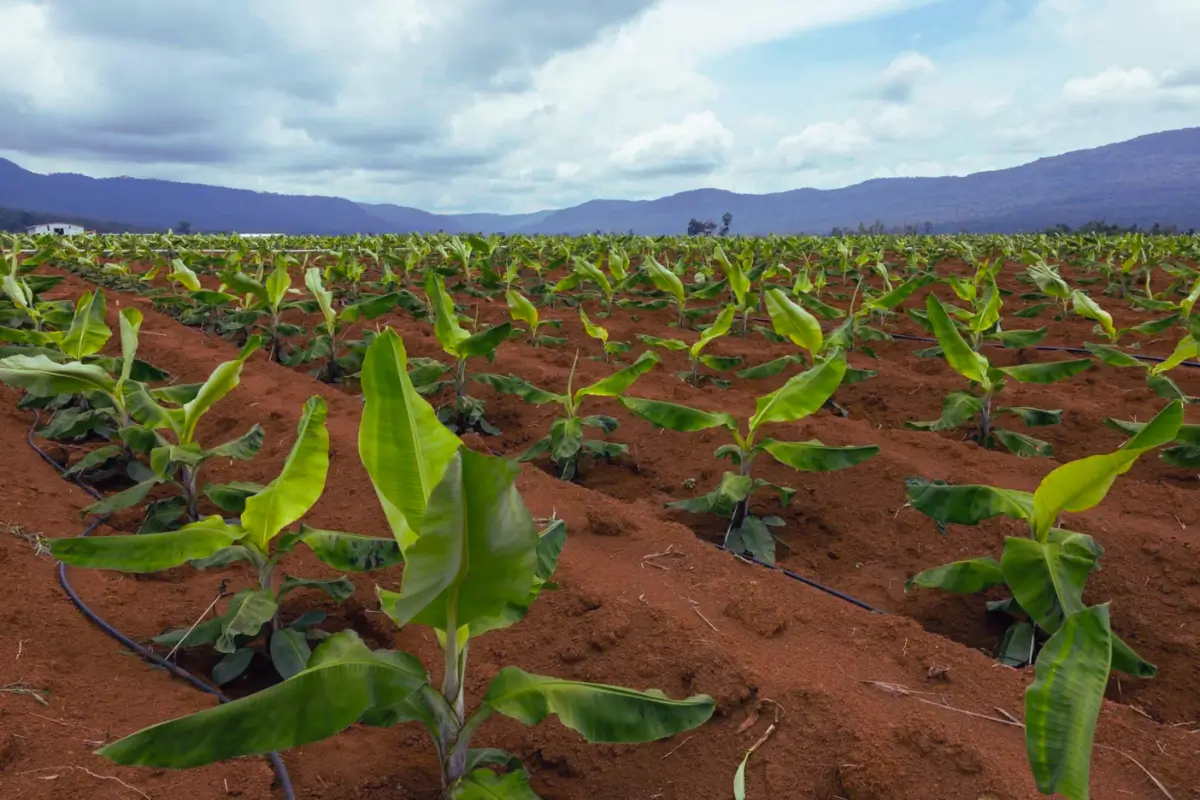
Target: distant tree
928,228
184,227
726,221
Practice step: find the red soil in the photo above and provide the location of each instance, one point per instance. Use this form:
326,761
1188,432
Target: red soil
701,621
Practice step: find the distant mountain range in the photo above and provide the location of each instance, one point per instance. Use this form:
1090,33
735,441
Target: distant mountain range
1147,180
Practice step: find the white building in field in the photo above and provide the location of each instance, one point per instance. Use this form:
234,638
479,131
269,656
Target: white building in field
60,228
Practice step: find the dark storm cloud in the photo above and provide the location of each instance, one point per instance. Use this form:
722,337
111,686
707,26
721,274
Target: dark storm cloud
219,82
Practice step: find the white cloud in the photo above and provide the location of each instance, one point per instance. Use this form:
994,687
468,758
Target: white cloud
823,139
697,144
566,170
1113,85
899,123
900,78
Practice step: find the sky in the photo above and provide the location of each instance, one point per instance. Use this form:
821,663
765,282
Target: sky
515,106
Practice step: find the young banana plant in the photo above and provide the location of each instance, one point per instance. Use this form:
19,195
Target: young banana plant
522,309
474,563
1045,573
600,334
737,273
1186,349
252,615
466,413
326,343
720,327
178,410
666,281
960,408
565,443
63,371
584,271
1050,282
802,396
268,302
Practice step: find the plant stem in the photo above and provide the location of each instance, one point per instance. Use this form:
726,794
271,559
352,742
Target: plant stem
985,420
189,493
454,759
741,509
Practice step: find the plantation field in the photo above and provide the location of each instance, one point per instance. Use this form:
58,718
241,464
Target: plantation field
842,376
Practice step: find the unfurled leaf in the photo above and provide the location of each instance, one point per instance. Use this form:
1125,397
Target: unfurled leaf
403,446
147,553
961,577
343,680
299,484
601,714
1063,703
475,549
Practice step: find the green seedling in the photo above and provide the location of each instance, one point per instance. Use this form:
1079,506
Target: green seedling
802,396
1045,573
474,563
565,444
976,404
466,413
252,615
329,340
696,356
521,309
178,410
266,304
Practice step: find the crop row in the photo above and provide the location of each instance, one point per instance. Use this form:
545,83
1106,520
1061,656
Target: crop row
459,527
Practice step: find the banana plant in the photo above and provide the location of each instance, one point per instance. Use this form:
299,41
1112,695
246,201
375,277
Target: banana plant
87,332
466,413
259,538
1046,572
458,252
583,270
692,376
565,443
474,563
1085,306
962,407
522,309
802,396
325,345
65,373
737,273
600,334
1187,348
666,281
178,410
267,302
1050,282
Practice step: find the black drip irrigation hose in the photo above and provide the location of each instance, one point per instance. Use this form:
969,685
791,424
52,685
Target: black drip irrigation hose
285,782
797,576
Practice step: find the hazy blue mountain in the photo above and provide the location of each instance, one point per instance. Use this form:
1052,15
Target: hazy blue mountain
164,204
1151,179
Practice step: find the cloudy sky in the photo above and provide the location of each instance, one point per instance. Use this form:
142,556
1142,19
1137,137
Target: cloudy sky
520,105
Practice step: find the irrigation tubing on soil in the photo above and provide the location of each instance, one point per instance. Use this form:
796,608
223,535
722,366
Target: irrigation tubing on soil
797,576
285,782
